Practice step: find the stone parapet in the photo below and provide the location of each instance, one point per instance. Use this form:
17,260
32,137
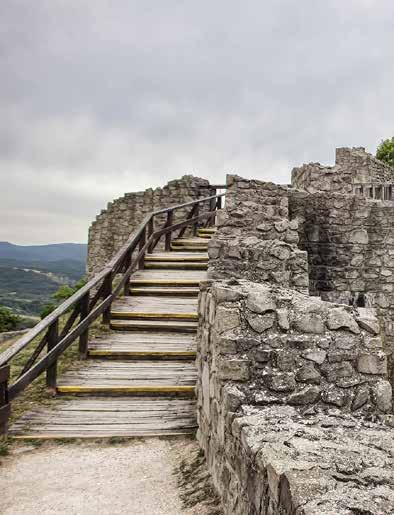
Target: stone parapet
256,240
114,225
285,381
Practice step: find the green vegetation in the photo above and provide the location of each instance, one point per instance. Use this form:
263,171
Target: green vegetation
27,287
64,292
385,151
8,320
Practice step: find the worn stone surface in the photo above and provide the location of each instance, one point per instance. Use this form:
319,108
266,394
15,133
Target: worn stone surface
287,428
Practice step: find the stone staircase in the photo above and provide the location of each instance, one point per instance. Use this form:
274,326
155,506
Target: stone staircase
139,379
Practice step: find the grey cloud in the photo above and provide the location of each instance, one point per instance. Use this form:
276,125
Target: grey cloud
98,97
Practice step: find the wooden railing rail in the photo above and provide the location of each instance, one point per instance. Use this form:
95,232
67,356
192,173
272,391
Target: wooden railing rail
94,299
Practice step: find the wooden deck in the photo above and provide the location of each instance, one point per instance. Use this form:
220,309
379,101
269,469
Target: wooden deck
140,377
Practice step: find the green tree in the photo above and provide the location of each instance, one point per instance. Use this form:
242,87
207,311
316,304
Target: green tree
63,293
385,151
47,309
8,320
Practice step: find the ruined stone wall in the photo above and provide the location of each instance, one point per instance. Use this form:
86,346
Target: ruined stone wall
353,167
285,385
256,240
350,246
114,225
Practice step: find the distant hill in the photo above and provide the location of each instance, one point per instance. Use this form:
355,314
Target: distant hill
29,275
45,253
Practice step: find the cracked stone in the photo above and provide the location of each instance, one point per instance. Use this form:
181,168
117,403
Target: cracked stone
261,323
317,356
372,363
310,323
383,396
338,318
361,397
260,302
307,395
280,382
308,374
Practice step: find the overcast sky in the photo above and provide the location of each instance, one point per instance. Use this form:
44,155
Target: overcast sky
98,98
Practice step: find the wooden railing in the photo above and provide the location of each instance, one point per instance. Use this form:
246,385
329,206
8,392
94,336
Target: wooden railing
94,299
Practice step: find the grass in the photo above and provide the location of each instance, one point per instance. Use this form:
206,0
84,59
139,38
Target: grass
4,450
37,393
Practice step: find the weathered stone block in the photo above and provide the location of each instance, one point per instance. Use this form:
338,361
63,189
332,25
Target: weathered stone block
226,319
338,318
372,363
260,301
383,396
233,369
280,381
261,323
308,395
310,323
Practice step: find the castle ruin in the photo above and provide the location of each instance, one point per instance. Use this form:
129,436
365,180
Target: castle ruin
295,340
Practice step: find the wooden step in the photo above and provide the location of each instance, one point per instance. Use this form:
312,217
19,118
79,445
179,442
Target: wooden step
99,417
155,308
179,257
144,345
154,325
207,230
189,248
166,265
189,244
171,278
129,377
164,292
204,235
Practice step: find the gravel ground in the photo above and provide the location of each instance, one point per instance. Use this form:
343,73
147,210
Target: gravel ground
134,478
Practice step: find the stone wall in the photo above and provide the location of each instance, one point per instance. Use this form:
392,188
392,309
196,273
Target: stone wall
353,167
286,384
256,240
350,246
114,225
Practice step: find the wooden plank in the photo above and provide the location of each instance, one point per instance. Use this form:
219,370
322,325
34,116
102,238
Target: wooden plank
154,325
165,291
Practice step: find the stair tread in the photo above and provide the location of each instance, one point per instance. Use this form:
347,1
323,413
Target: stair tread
98,373
105,417
154,325
155,307
167,291
178,257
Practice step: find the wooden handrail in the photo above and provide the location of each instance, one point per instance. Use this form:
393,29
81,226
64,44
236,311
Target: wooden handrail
86,307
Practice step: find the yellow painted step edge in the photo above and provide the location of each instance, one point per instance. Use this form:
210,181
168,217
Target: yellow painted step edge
165,282
176,259
178,266
125,389
141,353
160,291
165,316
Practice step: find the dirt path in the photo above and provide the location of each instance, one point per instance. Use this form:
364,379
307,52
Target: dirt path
134,478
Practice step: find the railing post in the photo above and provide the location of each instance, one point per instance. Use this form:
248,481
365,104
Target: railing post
195,225
219,203
5,407
150,232
212,209
83,339
107,290
52,340
141,261
126,287
170,218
